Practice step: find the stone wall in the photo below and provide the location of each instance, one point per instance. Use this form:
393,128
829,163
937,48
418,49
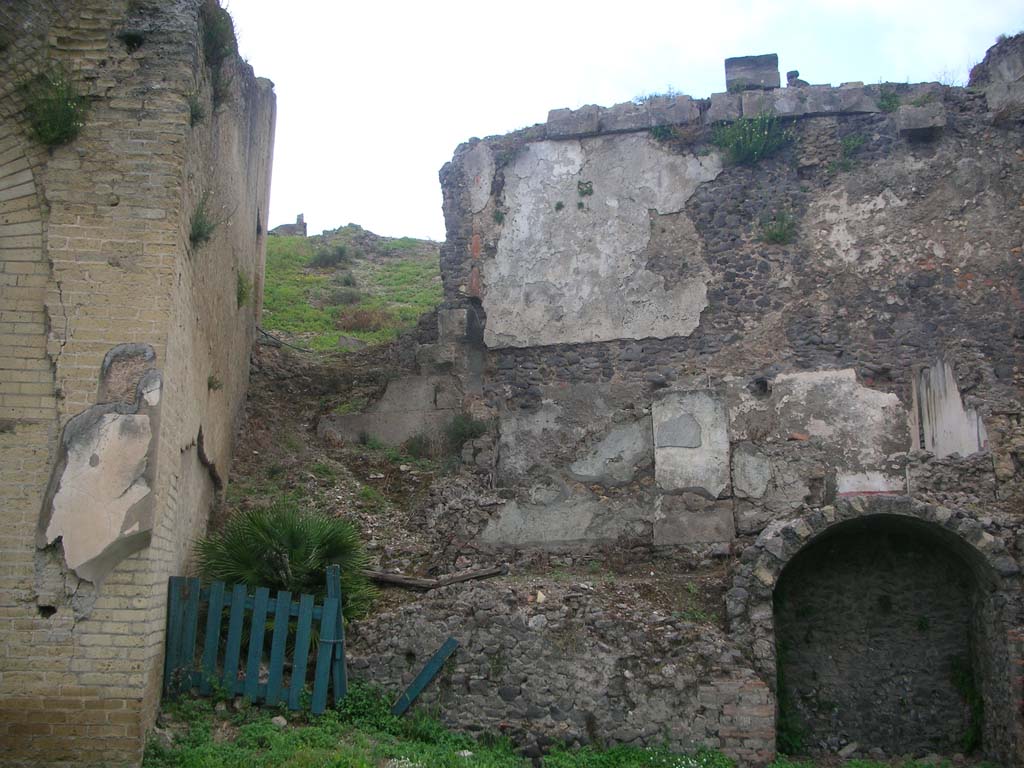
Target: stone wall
123,356
614,269
547,663
661,375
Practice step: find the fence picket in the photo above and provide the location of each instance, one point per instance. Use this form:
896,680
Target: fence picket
324,655
187,652
339,676
174,619
211,641
234,644
298,680
257,632
282,611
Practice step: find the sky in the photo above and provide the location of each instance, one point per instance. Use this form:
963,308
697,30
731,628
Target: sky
373,97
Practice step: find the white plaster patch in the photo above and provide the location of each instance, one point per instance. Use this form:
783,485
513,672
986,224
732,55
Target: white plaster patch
102,480
939,417
854,483
565,274
705,467
849,228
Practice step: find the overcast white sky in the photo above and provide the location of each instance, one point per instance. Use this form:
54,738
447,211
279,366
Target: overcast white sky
373,96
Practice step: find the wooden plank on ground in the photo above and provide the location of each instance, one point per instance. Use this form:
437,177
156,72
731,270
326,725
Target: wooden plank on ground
423,679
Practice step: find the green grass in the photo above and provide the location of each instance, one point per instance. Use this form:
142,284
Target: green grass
362,733
294,294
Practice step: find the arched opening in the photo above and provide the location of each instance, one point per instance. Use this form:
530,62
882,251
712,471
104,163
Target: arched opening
884,637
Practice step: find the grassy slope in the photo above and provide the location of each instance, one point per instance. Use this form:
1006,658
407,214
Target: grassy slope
397,280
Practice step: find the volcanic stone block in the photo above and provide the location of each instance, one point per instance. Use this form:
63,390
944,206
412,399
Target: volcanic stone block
672,110
691,442
625,117
690,519
744,73
569,123
724,107
922,122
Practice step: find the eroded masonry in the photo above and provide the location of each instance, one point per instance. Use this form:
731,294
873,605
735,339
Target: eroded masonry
131,263
805,371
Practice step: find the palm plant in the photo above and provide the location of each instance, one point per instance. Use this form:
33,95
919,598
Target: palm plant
283,547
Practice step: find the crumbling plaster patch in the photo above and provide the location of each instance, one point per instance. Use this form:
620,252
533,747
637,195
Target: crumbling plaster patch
100,504
849,228
583,254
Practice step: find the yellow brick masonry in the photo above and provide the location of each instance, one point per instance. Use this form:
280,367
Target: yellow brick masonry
93,253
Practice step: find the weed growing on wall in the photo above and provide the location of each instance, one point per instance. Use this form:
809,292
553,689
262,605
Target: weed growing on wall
751,139
888,99
848,148
778,229
54,108
203,224
243,289
196,113
219,47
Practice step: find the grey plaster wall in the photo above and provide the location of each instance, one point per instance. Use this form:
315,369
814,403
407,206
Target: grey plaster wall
570,264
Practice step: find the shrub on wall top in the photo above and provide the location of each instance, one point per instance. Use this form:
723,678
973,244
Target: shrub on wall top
53,106
751,139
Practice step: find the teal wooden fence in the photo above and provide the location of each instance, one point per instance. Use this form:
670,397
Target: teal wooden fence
200,656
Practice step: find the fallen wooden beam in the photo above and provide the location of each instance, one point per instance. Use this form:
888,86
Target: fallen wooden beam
415,582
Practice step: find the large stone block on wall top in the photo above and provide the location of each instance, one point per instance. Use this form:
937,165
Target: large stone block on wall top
570,123
921,122
744,73
691,442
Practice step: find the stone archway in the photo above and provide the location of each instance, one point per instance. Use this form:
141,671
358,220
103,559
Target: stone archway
968,626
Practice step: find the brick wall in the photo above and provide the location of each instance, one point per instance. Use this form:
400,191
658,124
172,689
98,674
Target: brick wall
94,252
